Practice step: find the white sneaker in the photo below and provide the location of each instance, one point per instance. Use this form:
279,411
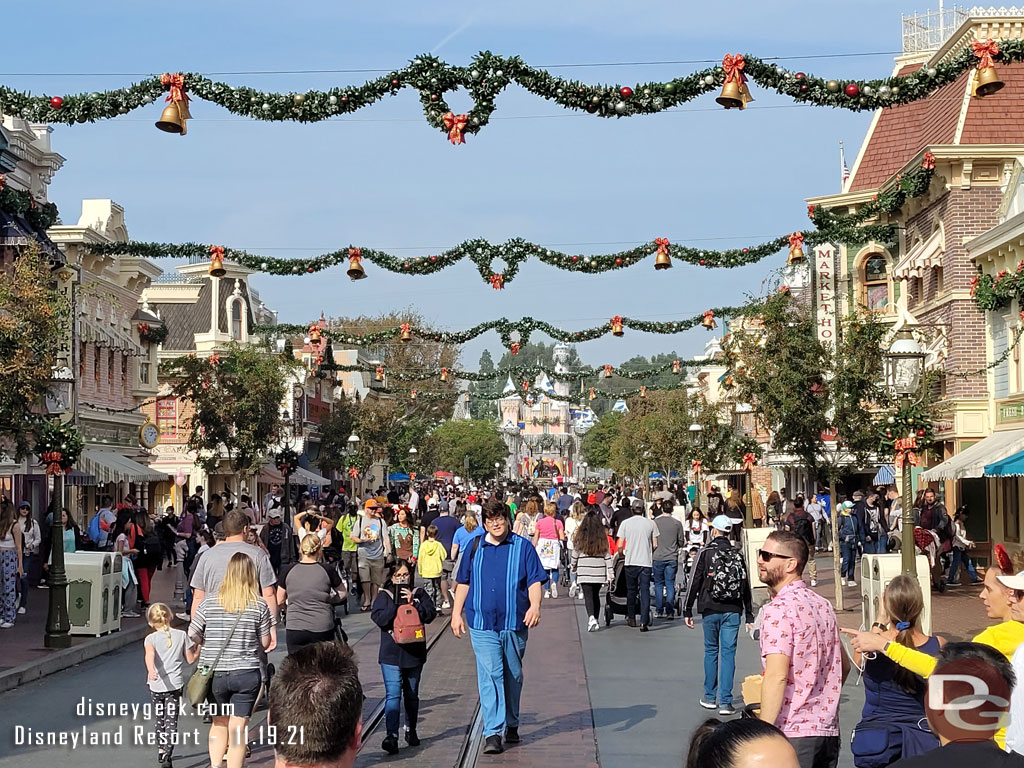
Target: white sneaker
446,605
579,594
42,585
592,625
547,593
814,582
183,616
842,582
129,615
21,609
7,625
851,583
554,590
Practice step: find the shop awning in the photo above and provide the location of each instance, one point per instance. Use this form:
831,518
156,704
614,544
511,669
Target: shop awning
304,477
885,475
270,474
1012,466
108,467
398,477
924,255
972,461
79,478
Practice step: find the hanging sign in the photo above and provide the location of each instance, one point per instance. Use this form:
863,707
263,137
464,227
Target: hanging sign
825,293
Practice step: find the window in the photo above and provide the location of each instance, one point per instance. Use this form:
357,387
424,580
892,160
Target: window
81,359
939,282
876,283
167,416
144,373
236,319
97,354
1011,519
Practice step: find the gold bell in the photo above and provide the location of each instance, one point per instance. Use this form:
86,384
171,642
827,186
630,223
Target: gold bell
315,334
734,96
676,365
379,375
355,264
412,395
796,253
988,82
216,268
444,374
643,391
173,118
406,332
616,323
591,395
607,372
663,261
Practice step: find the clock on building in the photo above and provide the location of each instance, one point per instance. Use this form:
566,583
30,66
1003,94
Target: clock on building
149,435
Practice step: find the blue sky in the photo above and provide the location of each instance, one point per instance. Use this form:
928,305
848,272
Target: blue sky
384,178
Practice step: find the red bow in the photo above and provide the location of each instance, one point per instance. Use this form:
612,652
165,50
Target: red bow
52,460
985,50
617,320
497,281
749,460
143,329
810,211
608,371
905,451
796,240
215,359
929,161
455,124
177,84
514,348
217,251
355,255
353,472
734,66
974,285
3,180
406,327
696,465
663,244
526,386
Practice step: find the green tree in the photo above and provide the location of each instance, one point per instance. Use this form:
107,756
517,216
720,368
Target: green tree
334,433
803,391
451,442
481,406
237,400
596,446
31,315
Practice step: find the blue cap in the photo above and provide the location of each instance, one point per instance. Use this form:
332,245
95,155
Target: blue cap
722,523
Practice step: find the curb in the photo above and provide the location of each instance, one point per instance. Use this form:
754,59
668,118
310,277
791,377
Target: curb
70,657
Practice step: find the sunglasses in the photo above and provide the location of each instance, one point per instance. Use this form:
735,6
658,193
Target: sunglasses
766,556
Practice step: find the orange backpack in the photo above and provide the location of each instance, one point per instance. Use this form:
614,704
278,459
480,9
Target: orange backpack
408,626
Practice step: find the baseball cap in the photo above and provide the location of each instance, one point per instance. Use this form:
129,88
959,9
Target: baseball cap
274,513
24,504
370,503
1012,582
722,523
592,498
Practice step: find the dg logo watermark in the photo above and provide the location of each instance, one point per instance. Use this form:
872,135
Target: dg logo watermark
968,699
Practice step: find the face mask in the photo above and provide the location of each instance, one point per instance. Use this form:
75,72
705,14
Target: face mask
401,579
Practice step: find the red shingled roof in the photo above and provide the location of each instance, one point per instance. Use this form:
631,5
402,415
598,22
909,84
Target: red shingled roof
902,132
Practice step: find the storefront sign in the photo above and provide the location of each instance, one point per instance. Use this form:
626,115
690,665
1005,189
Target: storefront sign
1013,411
825,293
943,426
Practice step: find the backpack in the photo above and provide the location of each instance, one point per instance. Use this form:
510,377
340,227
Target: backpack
150,549
726,575
95,534
408,626
803,528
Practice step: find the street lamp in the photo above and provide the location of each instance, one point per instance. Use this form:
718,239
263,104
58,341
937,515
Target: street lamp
353,447
695,430
584,465
904,364
497,469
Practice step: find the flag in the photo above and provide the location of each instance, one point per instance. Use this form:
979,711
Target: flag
842,161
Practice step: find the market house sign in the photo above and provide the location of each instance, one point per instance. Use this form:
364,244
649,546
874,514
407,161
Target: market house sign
825,293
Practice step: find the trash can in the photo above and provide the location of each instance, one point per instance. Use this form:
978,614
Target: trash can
112,615
88,575
876,571
753,540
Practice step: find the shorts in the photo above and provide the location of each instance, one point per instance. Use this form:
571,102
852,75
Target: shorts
235,692
350,562
372,572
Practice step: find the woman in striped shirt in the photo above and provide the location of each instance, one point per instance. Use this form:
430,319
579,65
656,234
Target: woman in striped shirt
235,624
592,562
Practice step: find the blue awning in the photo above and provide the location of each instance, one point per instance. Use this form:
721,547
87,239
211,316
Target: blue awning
886,475
1011,466
398,477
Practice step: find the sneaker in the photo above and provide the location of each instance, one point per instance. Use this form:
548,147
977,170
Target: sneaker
446,605
645,628
7,625
579,594
390,745
814,582
592,625
554,590
727,710
547,593
512,734
129,615
842,582
183,617
412,739
21,609
851,583
707,704
492,745
42,585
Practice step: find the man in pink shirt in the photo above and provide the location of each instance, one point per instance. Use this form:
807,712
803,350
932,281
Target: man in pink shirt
804,663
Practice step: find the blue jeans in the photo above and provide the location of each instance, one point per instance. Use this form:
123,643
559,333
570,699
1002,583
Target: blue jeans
848,550
638,580
499,676
720,633
553,575
665,582
960,557
876,547
27,561
400,682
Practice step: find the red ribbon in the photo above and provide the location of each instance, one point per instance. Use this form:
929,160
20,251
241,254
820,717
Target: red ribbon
749,460
905,451
663,244
608,371
143,329
3,180
353,472
810,211
696,465
217,252
734,66
796,240
985,50
514,348
526,386
929,161
354,256
177,86
455,124
52,460
497,281
617,320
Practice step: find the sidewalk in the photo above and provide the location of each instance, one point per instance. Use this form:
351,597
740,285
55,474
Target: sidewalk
25,658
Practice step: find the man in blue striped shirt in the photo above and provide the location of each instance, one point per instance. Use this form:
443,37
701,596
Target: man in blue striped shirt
499,584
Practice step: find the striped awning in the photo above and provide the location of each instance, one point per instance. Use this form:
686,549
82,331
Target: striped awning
886,475
109,467
924,255
105,335
79,478
303,476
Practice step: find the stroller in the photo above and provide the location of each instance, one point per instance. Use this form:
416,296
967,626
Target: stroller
615,595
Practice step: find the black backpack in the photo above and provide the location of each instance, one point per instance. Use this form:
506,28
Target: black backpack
726,574
803,528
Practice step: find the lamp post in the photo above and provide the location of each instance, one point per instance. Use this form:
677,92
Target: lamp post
497,469
58,627
584,465
695,430
904,364
353,447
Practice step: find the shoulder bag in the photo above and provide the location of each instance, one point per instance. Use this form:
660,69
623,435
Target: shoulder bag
197,690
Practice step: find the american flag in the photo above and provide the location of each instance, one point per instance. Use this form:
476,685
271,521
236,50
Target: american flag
842,161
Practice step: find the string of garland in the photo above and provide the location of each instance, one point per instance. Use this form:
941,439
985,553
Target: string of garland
487,75
911,421
524,327
58,446
521,372
529,393
17,202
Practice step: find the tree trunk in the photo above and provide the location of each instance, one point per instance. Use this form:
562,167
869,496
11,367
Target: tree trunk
836,554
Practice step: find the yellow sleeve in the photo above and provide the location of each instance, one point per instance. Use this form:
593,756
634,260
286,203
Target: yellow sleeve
910,658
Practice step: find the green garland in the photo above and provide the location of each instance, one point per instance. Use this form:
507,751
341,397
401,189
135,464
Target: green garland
524,326
153,334
911,420
744,444
286,461
526,393
516,372
59,445
992,293
16,202
486,76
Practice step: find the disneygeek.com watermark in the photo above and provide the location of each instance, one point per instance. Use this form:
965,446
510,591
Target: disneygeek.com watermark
968,699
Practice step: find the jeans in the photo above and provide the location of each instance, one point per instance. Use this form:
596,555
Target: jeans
876,547
399,683
824,533
553,575
592,599
848,550
665,582
28,560
720,633
960,557
638,580
499,676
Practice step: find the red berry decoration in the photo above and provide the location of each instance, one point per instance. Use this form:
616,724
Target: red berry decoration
920,433
804,87
799,75
625,91
56,102
575,259
394,83
405,266
701,262
746,250
852,90
309,269
618,262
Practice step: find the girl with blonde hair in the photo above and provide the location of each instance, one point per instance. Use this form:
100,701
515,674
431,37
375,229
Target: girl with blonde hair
234,623
165,648
547,539
311,591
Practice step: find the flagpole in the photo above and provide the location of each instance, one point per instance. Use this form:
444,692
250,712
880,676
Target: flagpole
842,167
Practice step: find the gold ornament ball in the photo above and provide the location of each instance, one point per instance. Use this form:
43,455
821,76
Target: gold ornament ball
832,86
299,98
